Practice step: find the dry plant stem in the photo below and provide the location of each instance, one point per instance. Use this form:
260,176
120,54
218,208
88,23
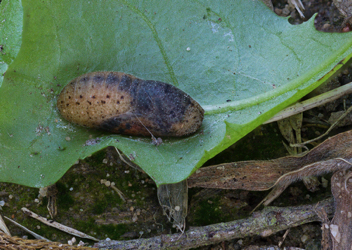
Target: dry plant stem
341,224
326,243
119,192
298,6
318,168
132,165
284,237
264,223
35,235
263,175
173,198
327,132
312,102
58,225
3,227
333,154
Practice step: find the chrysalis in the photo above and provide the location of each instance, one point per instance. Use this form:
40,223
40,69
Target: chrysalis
124,104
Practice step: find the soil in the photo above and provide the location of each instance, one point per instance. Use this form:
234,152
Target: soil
85,203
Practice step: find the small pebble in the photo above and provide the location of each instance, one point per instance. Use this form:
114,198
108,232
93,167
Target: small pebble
326,26
81,243
304,238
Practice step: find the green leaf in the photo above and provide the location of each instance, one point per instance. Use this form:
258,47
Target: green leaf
214,51
11,20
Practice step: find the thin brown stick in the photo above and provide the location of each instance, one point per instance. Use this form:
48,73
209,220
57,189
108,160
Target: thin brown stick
312,102
57,225
35,235
327,132
264,223
3,227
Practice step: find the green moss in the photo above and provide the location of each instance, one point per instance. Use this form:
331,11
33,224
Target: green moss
97,157
86,225
103,231
113,231
100,206
64,199
208,213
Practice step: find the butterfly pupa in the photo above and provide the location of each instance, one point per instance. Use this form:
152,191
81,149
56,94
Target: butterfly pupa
123,104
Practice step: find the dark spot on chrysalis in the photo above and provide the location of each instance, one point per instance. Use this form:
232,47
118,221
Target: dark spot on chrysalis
93,96
98,78
85,79
103,102
77,103
107,96
80,96
89,102
125,83
122,97
118,102
112,79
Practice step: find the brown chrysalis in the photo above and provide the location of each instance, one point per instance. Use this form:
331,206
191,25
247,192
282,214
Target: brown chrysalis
124,104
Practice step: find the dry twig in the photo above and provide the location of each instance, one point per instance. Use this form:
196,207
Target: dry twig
58,225
35,235
264,223
313,102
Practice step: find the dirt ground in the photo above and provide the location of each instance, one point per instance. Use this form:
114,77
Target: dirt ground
87,203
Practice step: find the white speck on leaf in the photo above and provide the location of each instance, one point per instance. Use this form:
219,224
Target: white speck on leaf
214,27
231,39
